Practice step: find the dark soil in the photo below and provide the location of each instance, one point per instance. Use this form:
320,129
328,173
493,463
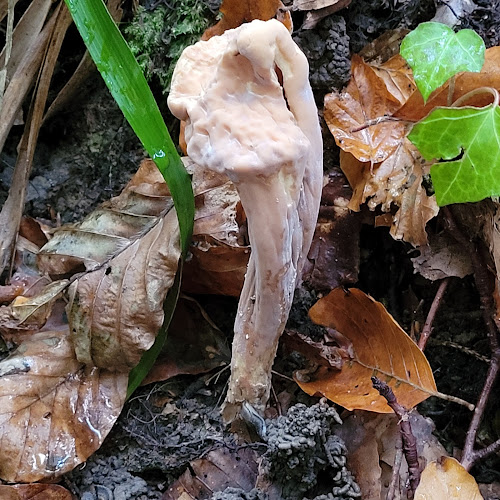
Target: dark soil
88,154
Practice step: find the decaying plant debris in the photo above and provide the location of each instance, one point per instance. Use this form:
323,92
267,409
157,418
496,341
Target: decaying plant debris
170,441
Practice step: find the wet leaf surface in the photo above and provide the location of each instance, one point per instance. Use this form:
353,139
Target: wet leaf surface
436,53
365,98
380,347
446,478
54,411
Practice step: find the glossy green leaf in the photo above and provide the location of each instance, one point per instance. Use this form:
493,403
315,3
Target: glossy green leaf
467,140
435,53
127,84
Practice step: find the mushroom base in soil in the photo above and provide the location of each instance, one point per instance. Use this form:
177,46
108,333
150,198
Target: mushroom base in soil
261,129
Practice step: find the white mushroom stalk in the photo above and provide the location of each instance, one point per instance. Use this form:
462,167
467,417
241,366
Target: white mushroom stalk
265,136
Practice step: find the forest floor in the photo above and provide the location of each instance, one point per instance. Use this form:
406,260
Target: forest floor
173,428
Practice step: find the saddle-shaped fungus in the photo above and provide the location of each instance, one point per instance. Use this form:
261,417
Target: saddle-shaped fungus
265,136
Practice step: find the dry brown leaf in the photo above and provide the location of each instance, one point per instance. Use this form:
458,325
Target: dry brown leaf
313,17
220,469
28,314
219,248
132,245
396,182
380,347
397,76
54,412
195,345
373,439
384,47
365,98
25,32
489,76
447,479
314,4
236,12
34,492
443,257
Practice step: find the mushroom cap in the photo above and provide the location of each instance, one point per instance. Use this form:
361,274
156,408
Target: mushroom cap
228,91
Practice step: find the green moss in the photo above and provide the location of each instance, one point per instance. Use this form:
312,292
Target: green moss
157,37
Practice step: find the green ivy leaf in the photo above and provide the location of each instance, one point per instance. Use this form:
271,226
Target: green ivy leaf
470,138
435,53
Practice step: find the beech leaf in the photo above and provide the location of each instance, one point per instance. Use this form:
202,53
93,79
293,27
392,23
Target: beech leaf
436,53
446,478
54,412
396,182
365,98
468,140
380,347
131,244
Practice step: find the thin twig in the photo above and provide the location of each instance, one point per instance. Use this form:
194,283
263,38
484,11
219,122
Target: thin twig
485,285
407,437
427,329
8,48
377,121
398,458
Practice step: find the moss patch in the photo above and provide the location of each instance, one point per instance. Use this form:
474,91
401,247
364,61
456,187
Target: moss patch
157,36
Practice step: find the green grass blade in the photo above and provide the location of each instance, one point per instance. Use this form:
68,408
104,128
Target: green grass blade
127,84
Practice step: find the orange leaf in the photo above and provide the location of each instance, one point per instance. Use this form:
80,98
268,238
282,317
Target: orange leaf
380,347
365,98
237,12
446,478
397,76
489,76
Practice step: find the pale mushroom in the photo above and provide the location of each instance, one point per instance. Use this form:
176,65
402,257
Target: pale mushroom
265,135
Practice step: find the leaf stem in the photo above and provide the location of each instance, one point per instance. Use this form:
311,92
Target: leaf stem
427,329
409,440
472,93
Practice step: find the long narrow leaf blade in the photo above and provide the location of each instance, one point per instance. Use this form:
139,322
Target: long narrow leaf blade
128,86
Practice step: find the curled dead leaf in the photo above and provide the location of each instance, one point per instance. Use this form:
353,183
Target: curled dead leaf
396,182
29,314
54,411
365,98
380,347
443,257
